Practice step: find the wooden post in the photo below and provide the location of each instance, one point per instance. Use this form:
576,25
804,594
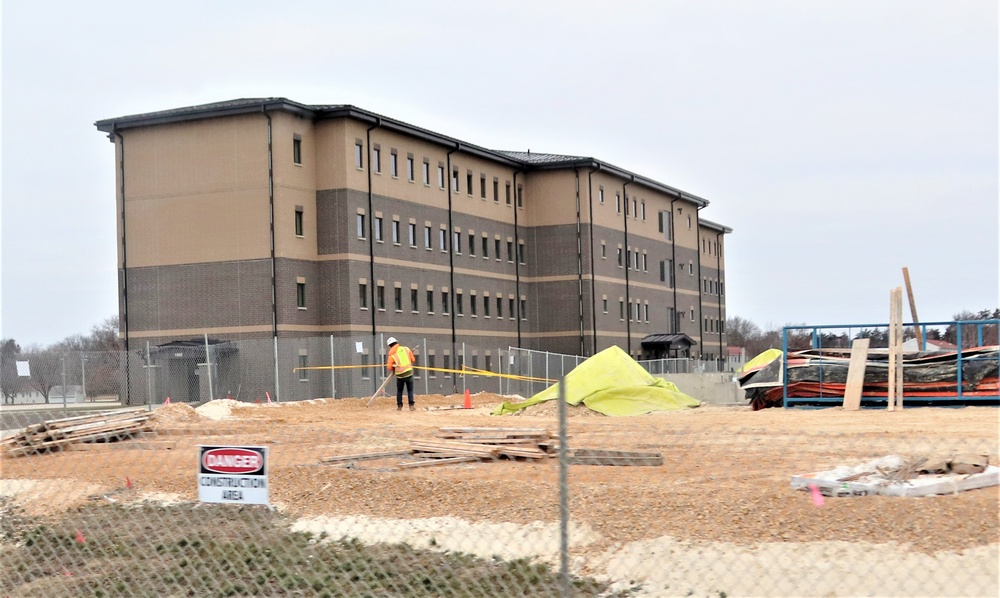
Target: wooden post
856,374
894,391
913,309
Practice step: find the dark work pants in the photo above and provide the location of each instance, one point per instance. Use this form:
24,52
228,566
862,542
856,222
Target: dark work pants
400,383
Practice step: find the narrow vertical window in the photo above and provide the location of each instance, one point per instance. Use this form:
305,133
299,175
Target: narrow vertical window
359,154
459,308
409,168
427,173
499,307
486,248
377,160
643,207
297,150
473,306
457,242
443,240
486,307
520,196
510,308
393,164
468,183
378,229
600,195
520,252
361,226
621,310
427,237
510,251
605,304
411,230
395,232
508,194
430,302
441,176
413,301
363,296
496,249
299,227
524,308
445,307
472,245
380,297
303,364
496,190
300,295
454,180
482,186
618,203
397,299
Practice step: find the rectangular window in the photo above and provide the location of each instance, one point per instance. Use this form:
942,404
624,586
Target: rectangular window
629,311
380,297
618,203
303,364
411,231
473,306
468,183
445,306
605,304
690,267
456,242
671,321
299,227
496,191
689,222
430,302
663,271
520,252
365,370
604,251
377,159
431,363
520,196
361,226
510,308
363,296
499,307
644,210
359,153
600,195
378,229
692,314
496,249
510,251
443,240
300,295
508,194
459,307
635,208
482,186
409,168
619,257
297,150
486,248
427,173
414,307
441,176
486,307
524,309
670,270
427,237
397,299
472,244
447,362
454,180
637,311
621,310
393,164
395,232
644,263
628,258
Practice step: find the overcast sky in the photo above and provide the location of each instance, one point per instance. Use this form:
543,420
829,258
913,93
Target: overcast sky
840,140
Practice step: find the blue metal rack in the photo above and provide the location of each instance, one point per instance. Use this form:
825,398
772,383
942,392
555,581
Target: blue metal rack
836,399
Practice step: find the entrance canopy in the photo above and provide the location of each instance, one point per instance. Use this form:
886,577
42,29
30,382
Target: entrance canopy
661,346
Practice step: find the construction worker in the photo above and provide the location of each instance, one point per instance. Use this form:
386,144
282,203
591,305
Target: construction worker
400,363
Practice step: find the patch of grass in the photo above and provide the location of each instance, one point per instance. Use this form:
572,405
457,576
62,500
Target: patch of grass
221,551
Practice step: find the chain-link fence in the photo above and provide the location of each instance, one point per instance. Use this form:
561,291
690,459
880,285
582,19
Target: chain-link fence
556,501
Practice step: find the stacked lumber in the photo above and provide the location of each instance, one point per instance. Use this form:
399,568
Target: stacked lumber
488,443
56,434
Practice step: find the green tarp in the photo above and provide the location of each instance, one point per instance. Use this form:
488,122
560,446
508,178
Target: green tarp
612,383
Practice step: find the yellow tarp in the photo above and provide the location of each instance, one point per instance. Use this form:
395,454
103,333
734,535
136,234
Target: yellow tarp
763,359
612,383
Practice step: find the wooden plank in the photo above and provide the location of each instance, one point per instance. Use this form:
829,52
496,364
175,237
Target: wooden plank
479,450
856,374
496,430
616,461
913,308
588,452
523,452
436,462
366,456
497,440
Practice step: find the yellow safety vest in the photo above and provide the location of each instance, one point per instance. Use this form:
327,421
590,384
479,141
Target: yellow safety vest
404,365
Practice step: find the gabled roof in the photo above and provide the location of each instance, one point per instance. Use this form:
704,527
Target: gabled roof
668,339
525,161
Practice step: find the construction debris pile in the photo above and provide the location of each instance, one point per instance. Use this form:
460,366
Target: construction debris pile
819,376
54,435
464,445
895,475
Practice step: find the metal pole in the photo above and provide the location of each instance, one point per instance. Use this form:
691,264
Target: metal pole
83,371
277,378
208,364
63,360
333,381
426,373
149,385
563,493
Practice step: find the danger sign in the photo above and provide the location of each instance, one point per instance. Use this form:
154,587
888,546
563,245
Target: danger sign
233,474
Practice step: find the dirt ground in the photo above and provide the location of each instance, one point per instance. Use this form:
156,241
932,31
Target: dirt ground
725,476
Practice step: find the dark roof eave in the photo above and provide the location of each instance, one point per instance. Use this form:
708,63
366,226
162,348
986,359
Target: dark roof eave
715,226
625,174
172,116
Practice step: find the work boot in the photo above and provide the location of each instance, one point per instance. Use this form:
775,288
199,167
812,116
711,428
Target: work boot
399,407
412,407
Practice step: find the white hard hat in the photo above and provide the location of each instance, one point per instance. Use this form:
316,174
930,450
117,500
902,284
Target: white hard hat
391,341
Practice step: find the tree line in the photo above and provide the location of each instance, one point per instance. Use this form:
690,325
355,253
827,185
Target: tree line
742,332
91,361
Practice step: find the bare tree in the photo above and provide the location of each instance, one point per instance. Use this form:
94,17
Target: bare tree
46,369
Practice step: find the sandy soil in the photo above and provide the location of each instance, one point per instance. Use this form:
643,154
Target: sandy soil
718,516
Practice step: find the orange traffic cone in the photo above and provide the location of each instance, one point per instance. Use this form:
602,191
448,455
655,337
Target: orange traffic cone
468,399
167,402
